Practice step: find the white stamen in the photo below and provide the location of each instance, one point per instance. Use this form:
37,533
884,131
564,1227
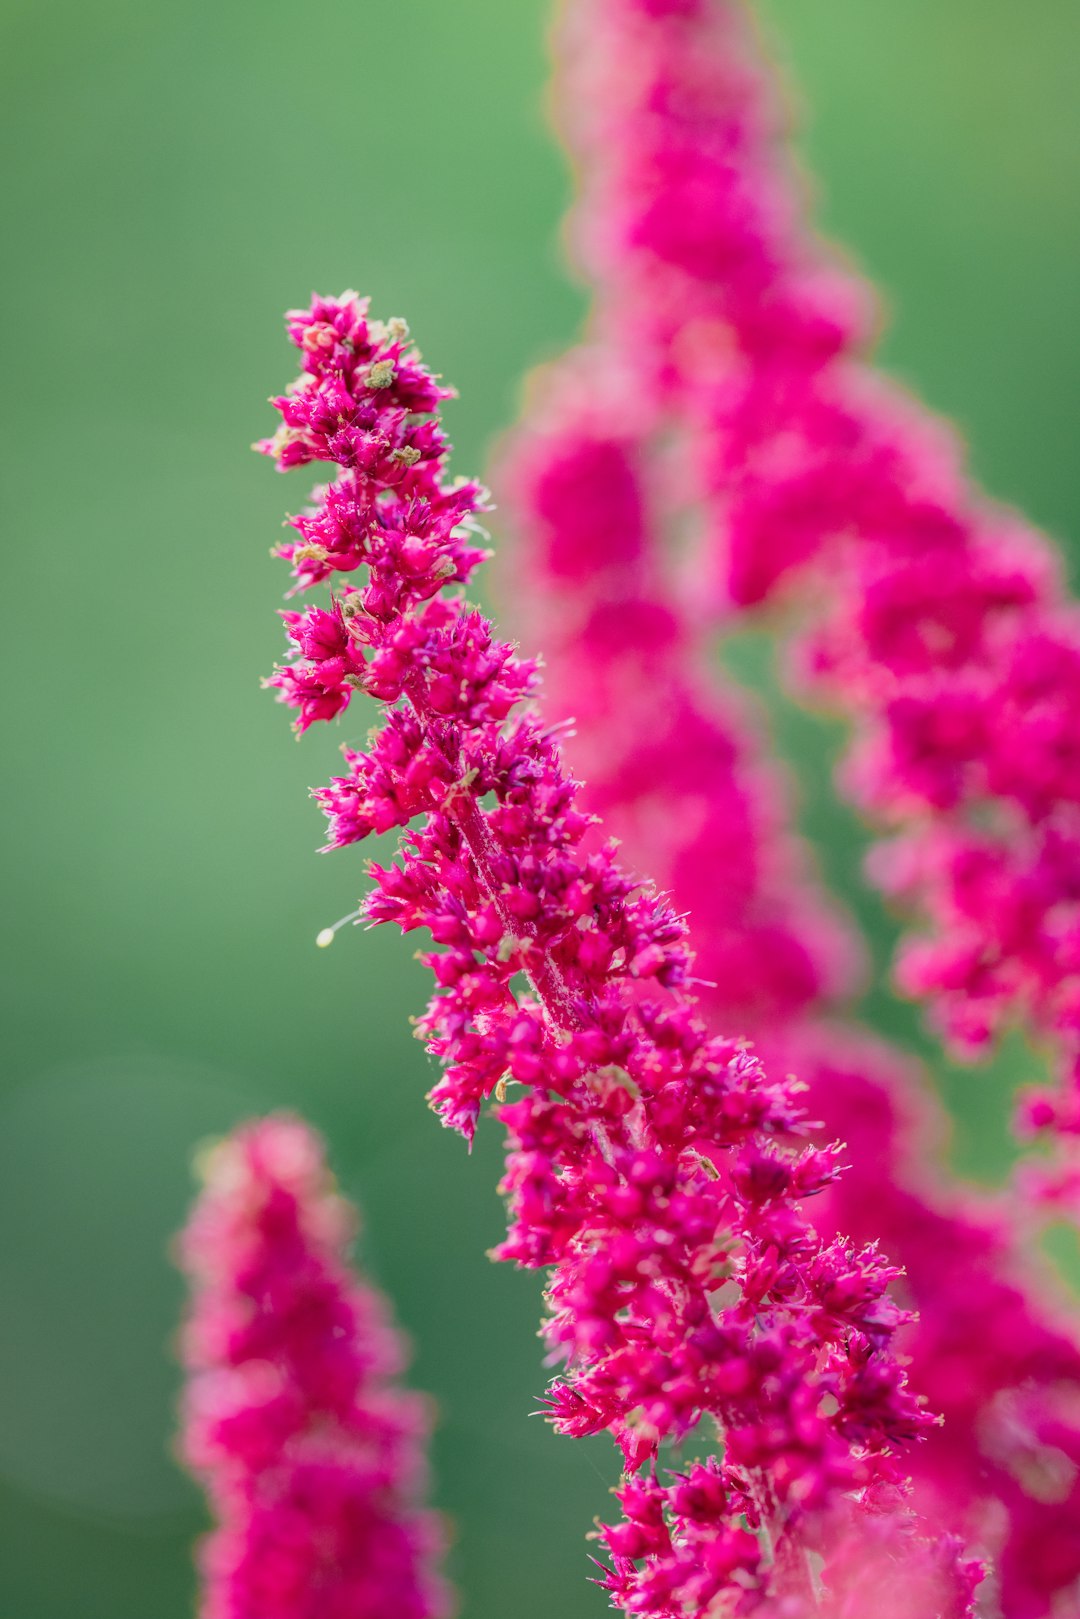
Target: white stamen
326,937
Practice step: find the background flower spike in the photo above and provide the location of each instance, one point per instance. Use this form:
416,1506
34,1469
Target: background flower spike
311,1455
935,620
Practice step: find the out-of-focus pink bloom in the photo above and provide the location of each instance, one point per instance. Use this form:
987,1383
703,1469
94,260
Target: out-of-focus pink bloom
311,1456
654,1171
672,762
937,621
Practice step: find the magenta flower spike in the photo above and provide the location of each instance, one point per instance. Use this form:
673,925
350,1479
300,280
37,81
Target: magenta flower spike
672,765
310,1454
937,621
654,1172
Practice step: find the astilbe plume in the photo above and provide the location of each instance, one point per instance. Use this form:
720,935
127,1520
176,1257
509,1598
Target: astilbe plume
671,764
311,1456
653,1171
937,621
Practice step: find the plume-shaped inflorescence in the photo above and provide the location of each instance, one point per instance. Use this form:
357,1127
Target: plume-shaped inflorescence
672,765
936,620
311,1456
654,1171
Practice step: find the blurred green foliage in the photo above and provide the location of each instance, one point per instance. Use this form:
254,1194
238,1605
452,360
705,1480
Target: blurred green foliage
175,175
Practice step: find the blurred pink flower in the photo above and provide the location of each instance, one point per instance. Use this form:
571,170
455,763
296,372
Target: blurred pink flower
718,382
311,1456
937,621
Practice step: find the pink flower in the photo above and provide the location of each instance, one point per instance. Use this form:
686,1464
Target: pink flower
654,1171
310,1455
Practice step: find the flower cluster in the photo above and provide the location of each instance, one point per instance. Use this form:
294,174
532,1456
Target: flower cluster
666,755
654,1171
938,622
310,1455
670,764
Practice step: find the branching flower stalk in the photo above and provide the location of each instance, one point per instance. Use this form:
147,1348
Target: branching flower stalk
311,1456
653,1171
937,621
672,764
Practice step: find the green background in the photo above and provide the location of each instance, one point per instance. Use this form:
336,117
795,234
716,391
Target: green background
176,175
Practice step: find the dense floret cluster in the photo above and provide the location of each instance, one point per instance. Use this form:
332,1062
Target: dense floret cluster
654,1171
